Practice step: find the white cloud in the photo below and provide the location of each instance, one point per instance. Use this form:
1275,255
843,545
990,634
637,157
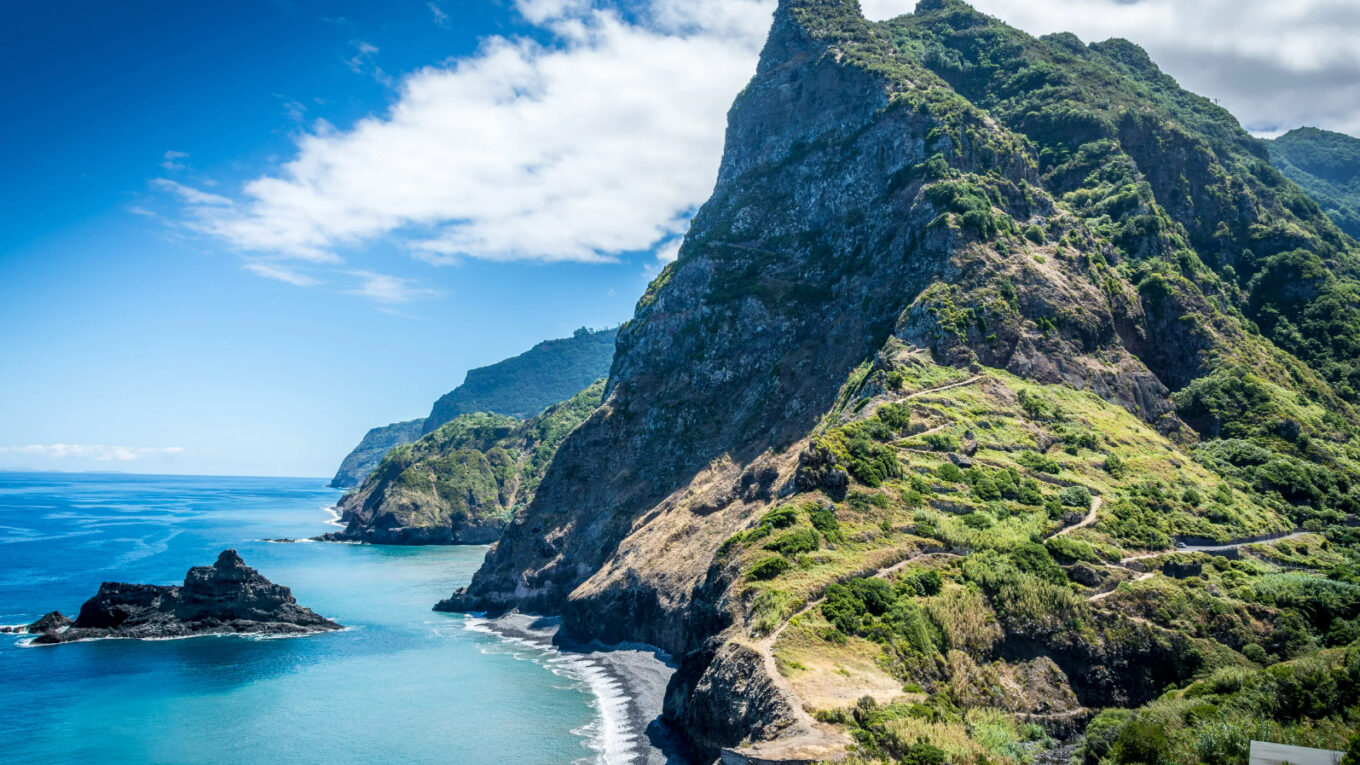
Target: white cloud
171,160
669,251
192,195
383,288
441,17
1275,65
279,273
600,143
96,452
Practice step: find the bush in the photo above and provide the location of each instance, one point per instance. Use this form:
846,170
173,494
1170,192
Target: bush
978,521
950,473
939,442
770,567
923,584
1033,558
1142,741
1066,549
794,542
896,416
1036,461
780,517
871,463
1075,496
823,519
1114,466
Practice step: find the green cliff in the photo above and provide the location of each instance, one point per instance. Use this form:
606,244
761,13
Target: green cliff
521,386
552,371
1327,166
375,443
462,483
1000,404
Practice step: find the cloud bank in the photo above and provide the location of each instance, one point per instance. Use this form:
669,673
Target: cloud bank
96,452
601,142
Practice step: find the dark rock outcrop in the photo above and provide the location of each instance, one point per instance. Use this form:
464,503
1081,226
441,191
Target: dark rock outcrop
227,597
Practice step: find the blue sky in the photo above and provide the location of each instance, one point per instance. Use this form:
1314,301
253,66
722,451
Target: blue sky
235,235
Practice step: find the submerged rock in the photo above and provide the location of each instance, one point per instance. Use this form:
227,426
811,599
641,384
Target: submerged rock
227,597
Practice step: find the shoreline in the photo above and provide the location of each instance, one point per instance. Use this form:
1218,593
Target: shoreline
628,682
28,642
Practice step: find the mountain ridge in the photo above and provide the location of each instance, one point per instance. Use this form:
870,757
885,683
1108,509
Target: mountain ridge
521,386
954,284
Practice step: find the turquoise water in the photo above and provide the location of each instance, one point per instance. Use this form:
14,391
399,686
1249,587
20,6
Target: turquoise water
403,684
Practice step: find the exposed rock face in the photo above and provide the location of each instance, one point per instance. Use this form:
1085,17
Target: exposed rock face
724,692
522,386
370,451
227,597
868,196
462,483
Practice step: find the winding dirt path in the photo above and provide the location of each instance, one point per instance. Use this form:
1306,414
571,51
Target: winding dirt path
1111,591
942,388
811,738
1213,548
1089,520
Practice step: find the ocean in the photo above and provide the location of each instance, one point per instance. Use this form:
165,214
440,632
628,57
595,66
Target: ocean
401,684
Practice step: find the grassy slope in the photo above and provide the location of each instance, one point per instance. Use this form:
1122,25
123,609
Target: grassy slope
1268,396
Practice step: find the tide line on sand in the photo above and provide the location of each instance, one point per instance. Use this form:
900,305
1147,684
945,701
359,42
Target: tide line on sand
627,682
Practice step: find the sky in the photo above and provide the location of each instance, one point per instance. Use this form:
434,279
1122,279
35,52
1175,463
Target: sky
234,235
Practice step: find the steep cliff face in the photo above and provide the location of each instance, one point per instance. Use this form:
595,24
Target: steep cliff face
1056,234
1327,166
462,483
375,445
522,386
519,387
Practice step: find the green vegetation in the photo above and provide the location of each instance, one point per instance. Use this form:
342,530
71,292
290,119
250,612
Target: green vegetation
1327,166
465,480
522,386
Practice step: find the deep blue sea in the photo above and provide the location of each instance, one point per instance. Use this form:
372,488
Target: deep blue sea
402,684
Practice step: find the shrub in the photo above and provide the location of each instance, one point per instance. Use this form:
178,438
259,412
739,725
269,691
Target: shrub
1075,496
895,416
1067,549
1035,407
922,583
780,517
1036,461
871,463
950,473
1114,466
794,542
978,521
823,519
770,567
939,442
1033,558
